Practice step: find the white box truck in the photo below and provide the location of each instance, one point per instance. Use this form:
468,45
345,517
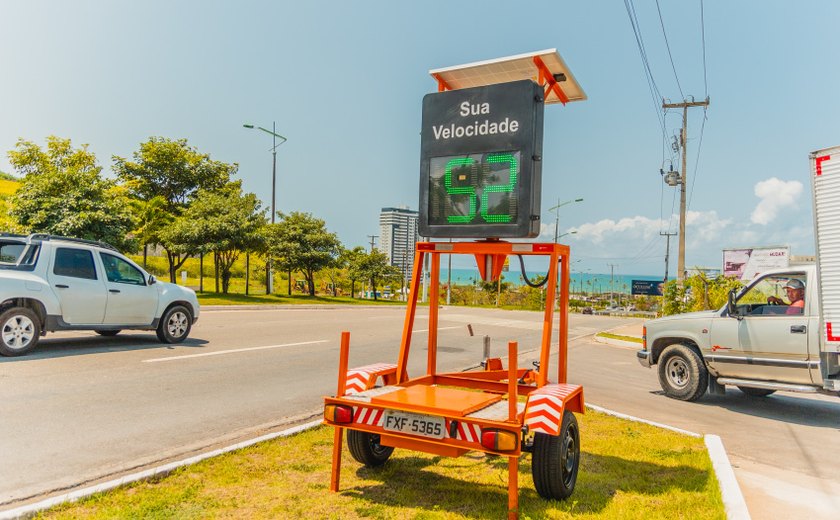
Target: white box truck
781,332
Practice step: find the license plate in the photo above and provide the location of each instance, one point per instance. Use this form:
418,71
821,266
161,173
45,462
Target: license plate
414,424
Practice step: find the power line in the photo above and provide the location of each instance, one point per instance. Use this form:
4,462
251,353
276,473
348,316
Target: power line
667,46
652,87
697,161
703,36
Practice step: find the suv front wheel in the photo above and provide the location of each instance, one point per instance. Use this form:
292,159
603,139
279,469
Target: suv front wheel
175,324
20,331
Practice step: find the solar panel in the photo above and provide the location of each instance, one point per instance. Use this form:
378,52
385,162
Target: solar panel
514,68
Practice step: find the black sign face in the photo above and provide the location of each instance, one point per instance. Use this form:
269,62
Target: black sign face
480,166
646,287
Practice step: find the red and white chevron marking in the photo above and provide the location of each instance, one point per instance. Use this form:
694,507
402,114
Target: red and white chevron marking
468,432
544,411
368,416
360,379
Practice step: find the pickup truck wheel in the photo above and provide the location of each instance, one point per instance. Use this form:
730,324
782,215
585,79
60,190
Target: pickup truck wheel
20,331
175,325
755,392
366,449
555,460
107,332
682,373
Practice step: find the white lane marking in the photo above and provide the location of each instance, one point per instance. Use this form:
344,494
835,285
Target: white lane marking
234,351
441,328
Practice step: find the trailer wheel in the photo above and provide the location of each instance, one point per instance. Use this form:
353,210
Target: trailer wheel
555,460
755,392
682,374
366,449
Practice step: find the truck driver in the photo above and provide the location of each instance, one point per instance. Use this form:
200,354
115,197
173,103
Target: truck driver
795,289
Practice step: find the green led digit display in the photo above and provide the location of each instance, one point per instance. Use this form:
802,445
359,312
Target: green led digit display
474,189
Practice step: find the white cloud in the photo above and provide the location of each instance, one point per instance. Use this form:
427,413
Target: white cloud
776,195
633,228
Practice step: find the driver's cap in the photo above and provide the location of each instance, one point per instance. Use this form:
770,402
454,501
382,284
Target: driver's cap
794,283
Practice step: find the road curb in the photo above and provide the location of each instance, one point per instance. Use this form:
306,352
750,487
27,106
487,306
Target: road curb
617,342
733,499
31,510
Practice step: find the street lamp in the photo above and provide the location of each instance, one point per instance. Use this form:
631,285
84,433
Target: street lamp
556,210
269,285
564,234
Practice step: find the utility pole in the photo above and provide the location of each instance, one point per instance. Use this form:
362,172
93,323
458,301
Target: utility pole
372,239
612,266
667,251
683,178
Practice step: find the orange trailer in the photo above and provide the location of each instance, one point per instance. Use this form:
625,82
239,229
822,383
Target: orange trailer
449,414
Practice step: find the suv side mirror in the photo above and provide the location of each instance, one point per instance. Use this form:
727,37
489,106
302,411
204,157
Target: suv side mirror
152,279
731,307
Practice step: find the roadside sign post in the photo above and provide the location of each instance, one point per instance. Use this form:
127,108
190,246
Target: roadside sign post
481,157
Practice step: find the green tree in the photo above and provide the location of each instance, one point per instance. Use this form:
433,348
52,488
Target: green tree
224,222
175,171
172,169
353,259
698,293
301,242
151,218
374,267
62,193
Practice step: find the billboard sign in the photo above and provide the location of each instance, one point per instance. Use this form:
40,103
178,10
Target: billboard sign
646,287
746,264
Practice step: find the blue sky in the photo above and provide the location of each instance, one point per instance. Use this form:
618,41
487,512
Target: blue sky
344,82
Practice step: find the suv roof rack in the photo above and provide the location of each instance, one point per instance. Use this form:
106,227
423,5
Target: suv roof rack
43,237
11,235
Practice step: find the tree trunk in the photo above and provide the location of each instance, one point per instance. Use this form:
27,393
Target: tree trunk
373,286
145,253
310,280
352,289
171,259
216,268
225,280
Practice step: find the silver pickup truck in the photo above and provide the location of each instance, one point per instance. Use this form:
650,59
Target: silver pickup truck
757,342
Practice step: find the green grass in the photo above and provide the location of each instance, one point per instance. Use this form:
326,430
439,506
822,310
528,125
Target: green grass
634,339
628,470
211,298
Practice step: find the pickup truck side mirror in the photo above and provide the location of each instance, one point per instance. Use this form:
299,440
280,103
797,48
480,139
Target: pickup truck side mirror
152,279
731,307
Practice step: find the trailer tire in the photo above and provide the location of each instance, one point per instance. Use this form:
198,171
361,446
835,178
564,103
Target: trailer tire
756,392
555,460
366,449
682,374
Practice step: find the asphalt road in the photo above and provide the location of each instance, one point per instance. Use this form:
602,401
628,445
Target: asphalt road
83,407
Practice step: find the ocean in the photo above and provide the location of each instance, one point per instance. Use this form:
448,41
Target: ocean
581,282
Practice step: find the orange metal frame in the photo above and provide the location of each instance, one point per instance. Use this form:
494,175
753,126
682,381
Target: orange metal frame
438,393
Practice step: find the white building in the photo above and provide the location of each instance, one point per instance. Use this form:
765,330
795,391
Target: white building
397,236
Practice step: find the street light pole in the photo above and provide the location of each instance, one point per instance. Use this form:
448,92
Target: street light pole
556,210
269,275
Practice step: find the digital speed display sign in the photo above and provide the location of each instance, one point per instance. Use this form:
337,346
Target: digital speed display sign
480,166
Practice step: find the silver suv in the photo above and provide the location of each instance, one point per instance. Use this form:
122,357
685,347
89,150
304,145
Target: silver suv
50,283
